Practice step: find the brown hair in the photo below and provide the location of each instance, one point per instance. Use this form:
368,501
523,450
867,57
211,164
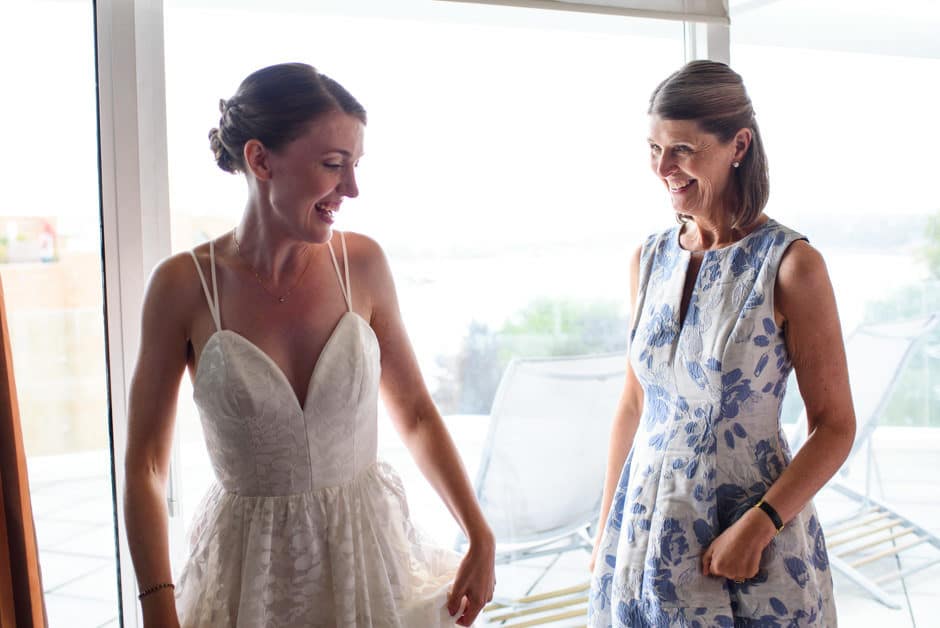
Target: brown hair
274,105
713,95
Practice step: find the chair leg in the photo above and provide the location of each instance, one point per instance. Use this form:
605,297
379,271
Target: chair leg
542,575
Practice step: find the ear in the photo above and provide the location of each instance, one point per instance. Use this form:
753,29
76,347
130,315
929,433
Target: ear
256,160
742,142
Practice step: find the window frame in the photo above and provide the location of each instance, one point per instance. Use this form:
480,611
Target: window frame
135,216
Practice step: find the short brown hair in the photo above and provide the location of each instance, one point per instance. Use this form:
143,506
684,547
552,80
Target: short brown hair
713,95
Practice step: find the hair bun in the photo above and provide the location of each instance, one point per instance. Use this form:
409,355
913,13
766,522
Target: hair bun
222,157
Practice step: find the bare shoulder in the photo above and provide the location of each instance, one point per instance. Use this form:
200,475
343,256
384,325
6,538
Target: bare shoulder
801,267
174,290
372,276
362,248
366,256
173,273
802,281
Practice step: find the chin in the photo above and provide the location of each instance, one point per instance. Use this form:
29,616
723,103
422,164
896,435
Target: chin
322,236
688,211
679,209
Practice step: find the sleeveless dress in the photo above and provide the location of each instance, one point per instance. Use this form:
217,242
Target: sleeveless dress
708,446
303,527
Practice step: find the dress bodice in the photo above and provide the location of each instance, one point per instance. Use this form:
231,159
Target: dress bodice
718,379
259,438
261,441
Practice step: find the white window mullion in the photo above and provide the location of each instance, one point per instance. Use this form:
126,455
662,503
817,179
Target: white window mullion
135,205
707,41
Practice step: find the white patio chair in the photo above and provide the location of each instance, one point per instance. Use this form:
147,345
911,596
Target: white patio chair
876,354
541,477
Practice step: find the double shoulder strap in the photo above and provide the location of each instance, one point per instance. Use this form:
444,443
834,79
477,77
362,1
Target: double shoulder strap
212,298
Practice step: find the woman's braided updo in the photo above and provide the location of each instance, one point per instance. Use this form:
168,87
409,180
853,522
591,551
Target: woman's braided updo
274,105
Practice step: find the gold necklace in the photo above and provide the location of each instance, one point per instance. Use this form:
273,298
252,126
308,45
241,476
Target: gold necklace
280,299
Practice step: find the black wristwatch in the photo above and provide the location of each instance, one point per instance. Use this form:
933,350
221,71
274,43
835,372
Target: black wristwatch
772,513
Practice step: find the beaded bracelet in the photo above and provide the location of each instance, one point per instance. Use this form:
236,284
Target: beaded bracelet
771,512
155,588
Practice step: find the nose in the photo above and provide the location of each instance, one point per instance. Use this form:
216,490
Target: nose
664,165
349,187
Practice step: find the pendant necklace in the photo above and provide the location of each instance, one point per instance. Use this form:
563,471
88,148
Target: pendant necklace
281,298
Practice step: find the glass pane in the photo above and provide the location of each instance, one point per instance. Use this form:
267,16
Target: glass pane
50,263
849,135
506,176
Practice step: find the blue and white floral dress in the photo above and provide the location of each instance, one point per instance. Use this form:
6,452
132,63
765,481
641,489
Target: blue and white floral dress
708,446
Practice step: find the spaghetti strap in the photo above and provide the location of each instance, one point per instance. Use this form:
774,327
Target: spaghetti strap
213,299
344,286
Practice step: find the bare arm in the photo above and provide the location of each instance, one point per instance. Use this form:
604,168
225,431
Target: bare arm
626,420
151,415
805,301
423,431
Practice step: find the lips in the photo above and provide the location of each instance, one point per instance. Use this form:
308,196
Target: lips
326,211
678,187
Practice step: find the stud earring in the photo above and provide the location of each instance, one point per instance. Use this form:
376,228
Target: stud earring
736,164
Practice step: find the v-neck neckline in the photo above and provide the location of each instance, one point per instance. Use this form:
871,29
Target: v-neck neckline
301,405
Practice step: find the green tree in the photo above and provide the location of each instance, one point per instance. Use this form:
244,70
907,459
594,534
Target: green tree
545,327
916,396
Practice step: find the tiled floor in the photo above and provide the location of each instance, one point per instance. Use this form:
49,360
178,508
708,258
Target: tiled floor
72,503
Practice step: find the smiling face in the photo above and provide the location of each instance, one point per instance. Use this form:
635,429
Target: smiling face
696,167
307,180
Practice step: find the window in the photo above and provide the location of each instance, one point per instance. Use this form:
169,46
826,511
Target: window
50,263
505,175
842,105
845,172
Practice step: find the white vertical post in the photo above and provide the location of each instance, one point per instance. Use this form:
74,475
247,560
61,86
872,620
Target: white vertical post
135,204
707,41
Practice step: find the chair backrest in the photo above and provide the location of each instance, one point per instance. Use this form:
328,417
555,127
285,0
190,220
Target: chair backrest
876,356
543,465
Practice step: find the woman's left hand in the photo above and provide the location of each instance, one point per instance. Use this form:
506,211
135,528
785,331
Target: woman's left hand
737,551
476,580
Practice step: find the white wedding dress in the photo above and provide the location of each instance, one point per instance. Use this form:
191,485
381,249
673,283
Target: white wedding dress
304,526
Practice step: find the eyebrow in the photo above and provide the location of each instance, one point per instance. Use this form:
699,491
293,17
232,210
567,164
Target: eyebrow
344,153
689,142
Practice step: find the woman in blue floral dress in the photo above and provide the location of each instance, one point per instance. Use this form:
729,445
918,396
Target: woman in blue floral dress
708,521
